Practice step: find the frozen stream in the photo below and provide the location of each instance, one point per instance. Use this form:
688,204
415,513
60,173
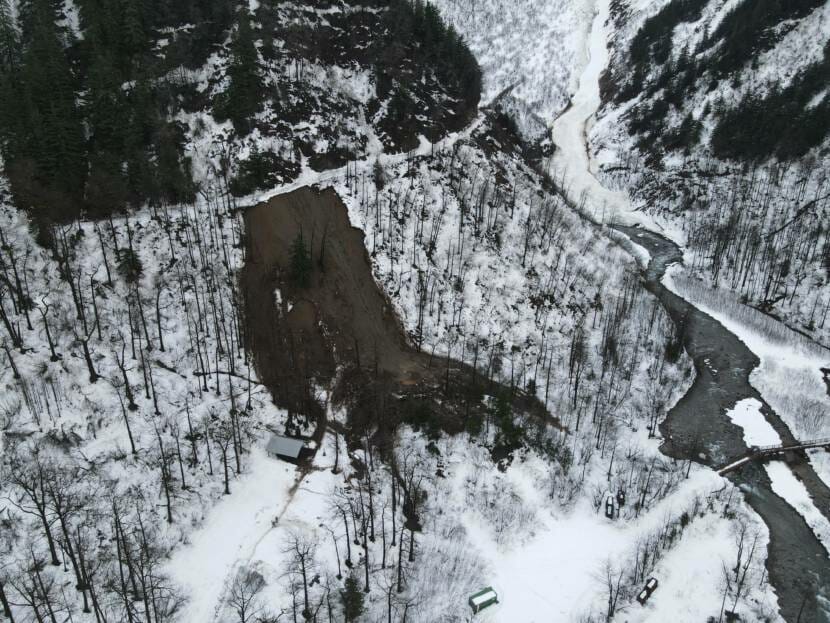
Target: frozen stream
571,160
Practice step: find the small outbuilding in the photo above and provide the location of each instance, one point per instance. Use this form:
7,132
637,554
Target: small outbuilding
285,448
482,599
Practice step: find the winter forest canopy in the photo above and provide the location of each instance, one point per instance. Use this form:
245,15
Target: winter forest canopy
89,109
522,285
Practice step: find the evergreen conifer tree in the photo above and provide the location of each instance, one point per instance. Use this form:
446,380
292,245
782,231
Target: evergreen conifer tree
300,262
11,107
242,99
133,34
173,172
47,157
9,39
352,599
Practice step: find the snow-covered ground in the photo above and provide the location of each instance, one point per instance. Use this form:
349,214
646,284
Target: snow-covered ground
575,169
533,47
231,534
135,432
537,535
692,575
757,431
572,165
543,561
534,287
553,574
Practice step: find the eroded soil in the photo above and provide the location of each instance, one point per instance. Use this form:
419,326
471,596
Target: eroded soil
341,332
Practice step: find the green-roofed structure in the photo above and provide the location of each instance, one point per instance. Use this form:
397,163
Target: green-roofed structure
484,598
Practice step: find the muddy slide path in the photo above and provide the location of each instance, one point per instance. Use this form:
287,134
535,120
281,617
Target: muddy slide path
340,331
698,429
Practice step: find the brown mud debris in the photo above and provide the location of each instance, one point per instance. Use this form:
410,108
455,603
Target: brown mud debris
340,331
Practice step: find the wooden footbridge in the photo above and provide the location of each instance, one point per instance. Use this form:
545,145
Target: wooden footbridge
759,453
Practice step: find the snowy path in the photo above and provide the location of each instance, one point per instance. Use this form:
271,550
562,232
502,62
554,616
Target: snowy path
310,177
231,533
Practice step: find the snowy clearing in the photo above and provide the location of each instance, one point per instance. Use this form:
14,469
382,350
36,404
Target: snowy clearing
757,431
231,533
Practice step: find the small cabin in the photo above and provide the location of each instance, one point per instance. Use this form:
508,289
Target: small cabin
482,599
285,448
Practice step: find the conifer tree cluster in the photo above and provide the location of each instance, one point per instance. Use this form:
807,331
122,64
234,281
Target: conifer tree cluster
241,101
416,28
85,122
87,111
781,123
300,262
43,136
352,599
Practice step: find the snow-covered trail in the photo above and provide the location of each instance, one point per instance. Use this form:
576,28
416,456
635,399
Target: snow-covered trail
230,533
572,162
310,177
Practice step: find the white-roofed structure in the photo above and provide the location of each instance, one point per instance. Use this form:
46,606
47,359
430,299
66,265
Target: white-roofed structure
482,599
286,448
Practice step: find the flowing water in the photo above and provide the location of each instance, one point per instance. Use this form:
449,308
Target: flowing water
698,428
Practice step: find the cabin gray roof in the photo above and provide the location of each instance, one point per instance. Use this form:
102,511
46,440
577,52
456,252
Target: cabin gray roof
284,446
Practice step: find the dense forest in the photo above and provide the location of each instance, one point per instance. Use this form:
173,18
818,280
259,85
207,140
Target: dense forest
89,109
785,122
86,120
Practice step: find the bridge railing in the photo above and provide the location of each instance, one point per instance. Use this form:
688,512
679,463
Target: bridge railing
759,451
792,446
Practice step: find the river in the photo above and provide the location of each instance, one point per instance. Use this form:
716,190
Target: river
698,427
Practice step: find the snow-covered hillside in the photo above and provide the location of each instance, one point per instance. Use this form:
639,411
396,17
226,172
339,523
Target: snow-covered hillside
661,148
135,481
534,48
747,200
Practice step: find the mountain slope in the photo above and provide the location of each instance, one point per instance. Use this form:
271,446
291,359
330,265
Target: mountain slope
716,121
